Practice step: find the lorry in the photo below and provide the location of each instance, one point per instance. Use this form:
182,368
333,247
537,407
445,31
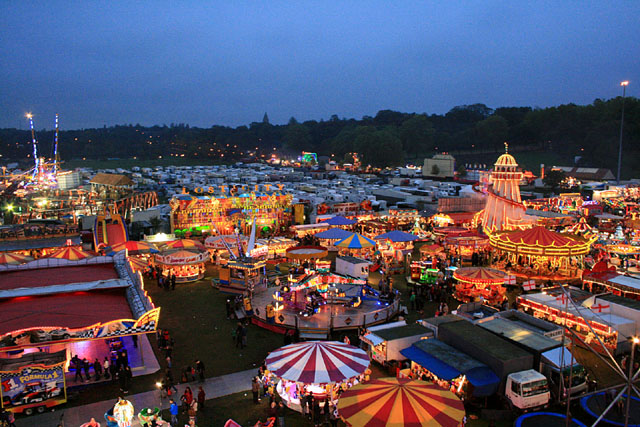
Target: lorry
384,342
520,384
549,357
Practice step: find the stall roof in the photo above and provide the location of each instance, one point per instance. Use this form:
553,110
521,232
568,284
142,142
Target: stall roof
56,276
447,363
440,320
411,330
524,336
557,358
72,310
626,302
481,338
49,242
627,281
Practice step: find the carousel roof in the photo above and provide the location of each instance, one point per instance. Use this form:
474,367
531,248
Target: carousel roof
134,247
183,244
307,252
71,253
480,275
400,402
397,236
333,234
317,362
540,241
14,259
340,220
356,241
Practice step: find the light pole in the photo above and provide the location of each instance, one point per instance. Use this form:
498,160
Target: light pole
624,85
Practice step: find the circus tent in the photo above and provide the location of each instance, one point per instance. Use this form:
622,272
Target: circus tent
400,402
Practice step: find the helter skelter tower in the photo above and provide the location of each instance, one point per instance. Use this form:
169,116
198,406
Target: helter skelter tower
504,209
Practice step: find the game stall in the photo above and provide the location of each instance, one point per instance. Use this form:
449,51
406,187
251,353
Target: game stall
188,265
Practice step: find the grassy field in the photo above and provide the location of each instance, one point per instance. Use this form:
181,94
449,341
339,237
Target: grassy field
195,315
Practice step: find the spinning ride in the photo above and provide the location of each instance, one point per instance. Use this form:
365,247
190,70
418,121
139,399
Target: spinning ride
474,282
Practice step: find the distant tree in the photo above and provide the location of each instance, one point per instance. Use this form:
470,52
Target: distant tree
492,132
297,138
462,171
379,148
553,178
417,135
435,170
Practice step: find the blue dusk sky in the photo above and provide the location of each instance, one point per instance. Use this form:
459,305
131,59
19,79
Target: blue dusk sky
228,62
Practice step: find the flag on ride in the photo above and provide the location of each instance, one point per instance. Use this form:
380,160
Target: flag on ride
510,280
529,285
601,308
562,298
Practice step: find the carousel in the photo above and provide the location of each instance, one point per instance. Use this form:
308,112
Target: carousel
480,282
188,265
320,368
540,253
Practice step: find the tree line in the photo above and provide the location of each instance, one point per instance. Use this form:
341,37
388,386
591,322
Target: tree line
390,138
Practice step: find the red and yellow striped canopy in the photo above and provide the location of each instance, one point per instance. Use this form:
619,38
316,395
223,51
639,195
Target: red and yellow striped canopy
480,275
183,244
135,247
138,264
71,253
14,259
399,402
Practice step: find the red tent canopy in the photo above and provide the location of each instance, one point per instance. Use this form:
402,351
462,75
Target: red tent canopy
540,236
480,275
540,241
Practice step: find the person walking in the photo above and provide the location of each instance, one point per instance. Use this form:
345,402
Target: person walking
78,370
201,398
97,369
173,410
244,336
200,369
255,389
280,413
173,282
86,366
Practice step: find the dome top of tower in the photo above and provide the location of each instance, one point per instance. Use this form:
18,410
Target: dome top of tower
506,159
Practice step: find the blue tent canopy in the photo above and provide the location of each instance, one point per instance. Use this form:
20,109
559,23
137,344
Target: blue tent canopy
397,236
430,363
340,220
448,363
333,234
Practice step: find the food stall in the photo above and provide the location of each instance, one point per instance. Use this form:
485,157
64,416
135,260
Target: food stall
188,265
242,275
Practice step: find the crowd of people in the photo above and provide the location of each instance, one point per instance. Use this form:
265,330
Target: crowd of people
113,368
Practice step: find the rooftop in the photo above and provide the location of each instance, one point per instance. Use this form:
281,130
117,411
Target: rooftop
411,330
480,338
524,336
114,180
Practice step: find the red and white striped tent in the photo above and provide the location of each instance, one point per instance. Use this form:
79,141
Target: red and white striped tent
317,362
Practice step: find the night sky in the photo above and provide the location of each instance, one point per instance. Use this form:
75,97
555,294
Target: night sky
229,62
